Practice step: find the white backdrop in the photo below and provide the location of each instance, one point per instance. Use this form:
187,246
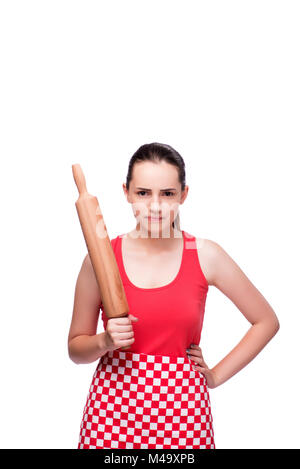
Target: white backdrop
88,83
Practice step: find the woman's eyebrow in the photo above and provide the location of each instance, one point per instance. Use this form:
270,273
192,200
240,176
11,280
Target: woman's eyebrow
169,189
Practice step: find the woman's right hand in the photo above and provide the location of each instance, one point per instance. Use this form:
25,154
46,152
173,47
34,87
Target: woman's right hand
119,332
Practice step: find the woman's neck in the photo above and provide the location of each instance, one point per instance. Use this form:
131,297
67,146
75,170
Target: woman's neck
155,240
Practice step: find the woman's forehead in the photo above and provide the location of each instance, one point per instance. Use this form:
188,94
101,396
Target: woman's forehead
148,174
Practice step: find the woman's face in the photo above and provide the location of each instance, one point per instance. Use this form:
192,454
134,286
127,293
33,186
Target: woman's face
155,194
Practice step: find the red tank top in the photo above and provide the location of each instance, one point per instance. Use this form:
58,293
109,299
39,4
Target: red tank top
171,316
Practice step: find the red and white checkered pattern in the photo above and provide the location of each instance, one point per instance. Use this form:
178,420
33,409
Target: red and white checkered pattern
138,400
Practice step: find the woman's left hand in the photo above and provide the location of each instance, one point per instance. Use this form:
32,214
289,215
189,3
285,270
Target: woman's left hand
195,354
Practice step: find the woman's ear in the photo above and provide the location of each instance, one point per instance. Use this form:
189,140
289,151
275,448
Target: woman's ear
184,194
125,189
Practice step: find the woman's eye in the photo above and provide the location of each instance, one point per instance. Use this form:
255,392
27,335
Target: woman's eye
166,192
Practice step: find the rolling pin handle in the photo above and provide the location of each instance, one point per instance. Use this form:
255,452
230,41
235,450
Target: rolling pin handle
79,178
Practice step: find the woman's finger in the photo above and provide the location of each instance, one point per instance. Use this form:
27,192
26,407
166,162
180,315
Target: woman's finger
195,353
202,363
199,361
199,368
195,347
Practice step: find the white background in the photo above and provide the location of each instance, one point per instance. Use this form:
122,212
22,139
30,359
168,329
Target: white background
88,82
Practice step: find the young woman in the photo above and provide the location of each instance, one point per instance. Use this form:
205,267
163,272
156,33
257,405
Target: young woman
150,386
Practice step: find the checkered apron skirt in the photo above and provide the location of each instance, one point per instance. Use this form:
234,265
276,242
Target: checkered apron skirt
138,400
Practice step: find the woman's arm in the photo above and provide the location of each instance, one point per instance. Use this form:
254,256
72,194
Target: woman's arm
227,276
84,345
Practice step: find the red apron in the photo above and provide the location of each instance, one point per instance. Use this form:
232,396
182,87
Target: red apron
138,401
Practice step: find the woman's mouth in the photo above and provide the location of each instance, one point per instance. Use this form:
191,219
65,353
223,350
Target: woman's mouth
151,219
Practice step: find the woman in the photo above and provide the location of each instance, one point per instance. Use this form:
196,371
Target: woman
150,387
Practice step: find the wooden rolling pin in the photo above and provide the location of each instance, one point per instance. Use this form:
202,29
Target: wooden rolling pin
100,250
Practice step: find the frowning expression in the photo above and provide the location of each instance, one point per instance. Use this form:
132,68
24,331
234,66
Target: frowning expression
155,194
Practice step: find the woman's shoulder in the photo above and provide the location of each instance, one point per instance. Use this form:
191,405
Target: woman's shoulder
209,253
208,245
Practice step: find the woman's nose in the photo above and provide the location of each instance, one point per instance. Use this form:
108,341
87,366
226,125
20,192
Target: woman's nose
154,204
